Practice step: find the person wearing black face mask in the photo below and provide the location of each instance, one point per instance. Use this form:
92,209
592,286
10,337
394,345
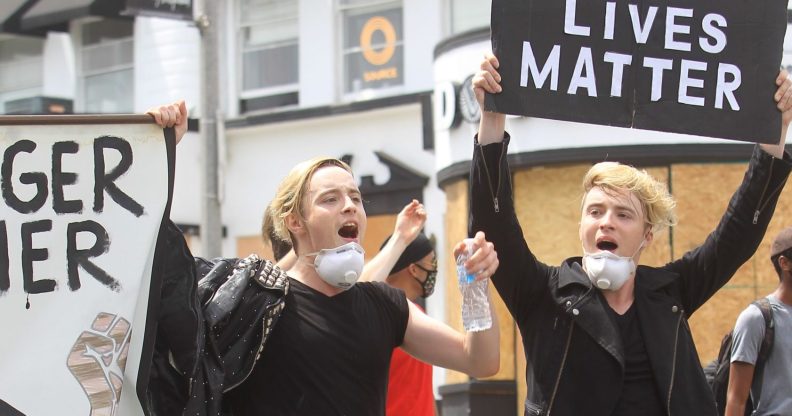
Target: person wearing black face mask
410,380
415,271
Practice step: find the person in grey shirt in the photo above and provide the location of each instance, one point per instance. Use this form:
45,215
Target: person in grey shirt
776,380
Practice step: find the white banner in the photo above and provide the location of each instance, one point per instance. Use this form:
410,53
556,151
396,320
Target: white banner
81,212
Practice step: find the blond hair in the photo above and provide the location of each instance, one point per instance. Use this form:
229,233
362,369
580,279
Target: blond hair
279,246
657,203
289,197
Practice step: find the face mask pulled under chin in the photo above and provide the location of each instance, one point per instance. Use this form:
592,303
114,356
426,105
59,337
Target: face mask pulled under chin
341,266
608,271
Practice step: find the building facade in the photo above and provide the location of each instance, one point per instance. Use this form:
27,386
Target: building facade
383,84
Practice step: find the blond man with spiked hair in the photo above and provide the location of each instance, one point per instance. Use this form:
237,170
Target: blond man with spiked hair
602,335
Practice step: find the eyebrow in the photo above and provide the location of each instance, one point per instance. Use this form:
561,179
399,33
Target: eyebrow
336,189
623,207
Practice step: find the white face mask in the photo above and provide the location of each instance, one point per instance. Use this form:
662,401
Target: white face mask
341,266
607,270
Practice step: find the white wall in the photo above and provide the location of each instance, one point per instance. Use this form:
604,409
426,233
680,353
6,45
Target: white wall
318,53
230,64
422,31
167,62
59,66
167,68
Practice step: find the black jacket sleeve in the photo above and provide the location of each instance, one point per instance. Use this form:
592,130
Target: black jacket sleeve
708,267
520,278
180,329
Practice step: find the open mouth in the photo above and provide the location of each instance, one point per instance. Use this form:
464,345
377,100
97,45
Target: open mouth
607,245
349,230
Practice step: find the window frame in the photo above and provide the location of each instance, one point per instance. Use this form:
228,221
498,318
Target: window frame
26,90
451,22
80,101
342,53
242,93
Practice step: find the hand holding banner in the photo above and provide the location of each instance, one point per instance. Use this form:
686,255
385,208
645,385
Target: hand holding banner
82,209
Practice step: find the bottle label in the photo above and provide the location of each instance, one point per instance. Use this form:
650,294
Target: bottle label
464,276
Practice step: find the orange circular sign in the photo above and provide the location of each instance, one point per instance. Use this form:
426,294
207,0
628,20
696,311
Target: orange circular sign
384,55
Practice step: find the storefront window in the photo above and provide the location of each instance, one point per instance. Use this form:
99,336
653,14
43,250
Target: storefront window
107,66
21,74
469,15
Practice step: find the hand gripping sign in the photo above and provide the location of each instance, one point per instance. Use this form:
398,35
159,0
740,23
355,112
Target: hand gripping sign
83,202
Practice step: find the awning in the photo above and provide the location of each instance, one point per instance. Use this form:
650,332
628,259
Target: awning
10,13
37,17
168,9
54,15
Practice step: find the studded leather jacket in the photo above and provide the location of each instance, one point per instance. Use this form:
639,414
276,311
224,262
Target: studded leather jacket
214,318
575,357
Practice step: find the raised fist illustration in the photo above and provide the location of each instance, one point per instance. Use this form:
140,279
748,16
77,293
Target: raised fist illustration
97,361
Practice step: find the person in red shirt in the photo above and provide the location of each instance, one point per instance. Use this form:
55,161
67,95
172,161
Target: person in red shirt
410,389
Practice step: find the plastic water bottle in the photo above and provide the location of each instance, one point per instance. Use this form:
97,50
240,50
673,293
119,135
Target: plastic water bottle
475,306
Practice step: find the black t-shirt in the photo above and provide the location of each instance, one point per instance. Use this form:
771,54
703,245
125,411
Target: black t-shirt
639,392
327,355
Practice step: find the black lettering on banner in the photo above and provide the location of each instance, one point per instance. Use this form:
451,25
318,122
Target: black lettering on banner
28,178
104,181
61,178
78,257
5,281
30,254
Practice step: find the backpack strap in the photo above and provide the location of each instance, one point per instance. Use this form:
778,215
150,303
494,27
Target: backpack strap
767,346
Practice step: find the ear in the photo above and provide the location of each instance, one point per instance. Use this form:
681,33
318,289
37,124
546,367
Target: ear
785,264
412,269
295,224
649,237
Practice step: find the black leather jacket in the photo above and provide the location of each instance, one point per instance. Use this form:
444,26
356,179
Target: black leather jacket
574,351
214,318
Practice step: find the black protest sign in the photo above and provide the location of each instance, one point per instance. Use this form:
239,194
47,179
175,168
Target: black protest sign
706,68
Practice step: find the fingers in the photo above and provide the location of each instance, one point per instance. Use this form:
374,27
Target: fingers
413,209
487,81
784,95
490,65
783,83
484,261
410,221
485,268
407,208
169,115
491,60
414,206
154,112
488,77
418,210
182,109
420,215
785,103
782,75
